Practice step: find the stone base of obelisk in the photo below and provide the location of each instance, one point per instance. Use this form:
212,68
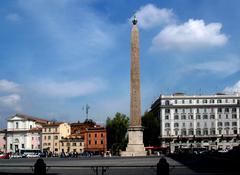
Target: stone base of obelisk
135,145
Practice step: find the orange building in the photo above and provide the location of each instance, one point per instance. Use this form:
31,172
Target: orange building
96,140
95,136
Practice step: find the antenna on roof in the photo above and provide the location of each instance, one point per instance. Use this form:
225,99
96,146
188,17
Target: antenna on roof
87,109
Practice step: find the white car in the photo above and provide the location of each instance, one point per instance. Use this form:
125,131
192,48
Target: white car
32,155
223,151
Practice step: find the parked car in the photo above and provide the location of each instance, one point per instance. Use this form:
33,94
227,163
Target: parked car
4,156
15,156
223,151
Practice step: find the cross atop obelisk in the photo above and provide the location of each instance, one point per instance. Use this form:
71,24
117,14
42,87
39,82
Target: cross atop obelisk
135,108
135,145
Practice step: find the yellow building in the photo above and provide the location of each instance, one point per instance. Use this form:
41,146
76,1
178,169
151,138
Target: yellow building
72,144
52,133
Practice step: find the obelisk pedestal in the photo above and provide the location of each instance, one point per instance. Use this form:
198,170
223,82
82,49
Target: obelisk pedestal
135,145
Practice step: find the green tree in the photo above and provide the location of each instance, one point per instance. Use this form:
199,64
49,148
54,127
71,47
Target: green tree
116,132
151,131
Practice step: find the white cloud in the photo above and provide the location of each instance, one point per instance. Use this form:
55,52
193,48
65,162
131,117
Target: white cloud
233,89
224,67
150,16
13,17
70,89
11,101
9,86
191,35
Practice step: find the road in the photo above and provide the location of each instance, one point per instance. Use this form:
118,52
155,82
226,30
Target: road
87,166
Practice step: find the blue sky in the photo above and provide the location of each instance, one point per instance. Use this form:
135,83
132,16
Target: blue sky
59,55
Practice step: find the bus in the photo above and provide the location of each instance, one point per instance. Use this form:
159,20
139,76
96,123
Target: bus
30,152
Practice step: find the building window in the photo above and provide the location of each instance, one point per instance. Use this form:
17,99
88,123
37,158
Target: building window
197,101
167,111
55,137
190,101
80,144
212,124
89,142
212,116
205,132
190,132
167,102
183,124
175,124
166,117
62,144
49,129
56,149
212,101
190,124
226,116
184,132
49,137
199,117
212,132
23,146
227,132
167,125
183,110
175,101
176,132
219,101
16,125
55,129
220,132
234,123
234,131
101,134
49,144
55,144
219,123
45,129
176,117
183,117
30,126
176,110
190,117
32,146
234,110
95,135
45,137
205,117
219,109
227,110
89,135
204,100
101,142
234,116
74,144
226,123
68,144
198,124
183,101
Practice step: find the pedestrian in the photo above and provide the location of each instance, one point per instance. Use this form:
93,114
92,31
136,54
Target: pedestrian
163,167
40,167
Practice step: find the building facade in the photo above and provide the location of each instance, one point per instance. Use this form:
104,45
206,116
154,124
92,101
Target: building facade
96,140
202,121
24,132
72,144
52,133
3,140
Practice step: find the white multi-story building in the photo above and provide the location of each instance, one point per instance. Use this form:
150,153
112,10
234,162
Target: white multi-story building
24,132
201,121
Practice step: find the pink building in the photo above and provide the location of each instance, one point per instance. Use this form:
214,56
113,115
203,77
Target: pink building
3,142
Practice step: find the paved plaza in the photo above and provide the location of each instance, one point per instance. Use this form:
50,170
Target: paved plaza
88,166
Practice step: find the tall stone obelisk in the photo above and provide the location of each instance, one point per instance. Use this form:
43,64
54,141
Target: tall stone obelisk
135,145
